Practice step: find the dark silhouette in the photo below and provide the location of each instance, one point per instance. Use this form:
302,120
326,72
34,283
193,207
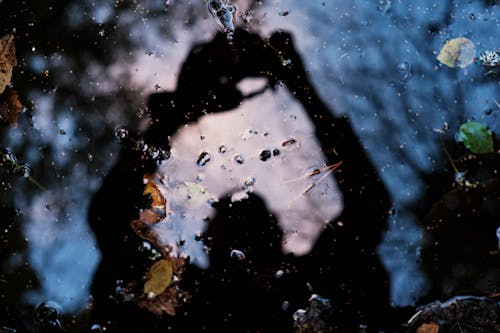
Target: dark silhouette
245,296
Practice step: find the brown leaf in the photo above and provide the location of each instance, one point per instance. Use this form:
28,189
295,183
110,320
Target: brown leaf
158,201
10,107
428,328
7,60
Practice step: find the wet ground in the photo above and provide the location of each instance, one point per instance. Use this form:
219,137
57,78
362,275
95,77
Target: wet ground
85,69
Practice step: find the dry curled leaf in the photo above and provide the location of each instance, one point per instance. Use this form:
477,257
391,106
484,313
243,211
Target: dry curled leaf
10,107
159,203
7,60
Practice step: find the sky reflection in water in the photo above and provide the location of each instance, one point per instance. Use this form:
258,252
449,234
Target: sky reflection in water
355,52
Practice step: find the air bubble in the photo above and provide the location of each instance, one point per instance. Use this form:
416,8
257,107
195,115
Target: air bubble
46,317
24,170
249,183
141,145
121,133
237,254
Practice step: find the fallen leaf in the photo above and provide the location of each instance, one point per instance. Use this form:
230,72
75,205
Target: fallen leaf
428,328
159,203
10,107
7,60
159,278
457,52
476,137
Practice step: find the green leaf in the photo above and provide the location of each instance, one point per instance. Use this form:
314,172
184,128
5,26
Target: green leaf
476,137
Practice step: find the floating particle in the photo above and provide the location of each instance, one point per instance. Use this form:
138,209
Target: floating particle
222,149
279,274
404,71
237,254
265,155
490,58
284,13
457,52
276,152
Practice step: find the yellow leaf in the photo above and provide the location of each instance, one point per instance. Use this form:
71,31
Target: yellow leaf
159,278
457,52
7,60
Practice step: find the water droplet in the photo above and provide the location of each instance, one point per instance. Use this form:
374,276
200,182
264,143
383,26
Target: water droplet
246,16
96,328
222,149
62,132
168,3
290,144
203,159
121,133
248,183
23,170
46,317
237,254
472,16
90,157
404,71
276,152
265,155
239,159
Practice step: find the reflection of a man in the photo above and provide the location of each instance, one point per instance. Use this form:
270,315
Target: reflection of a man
296,183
